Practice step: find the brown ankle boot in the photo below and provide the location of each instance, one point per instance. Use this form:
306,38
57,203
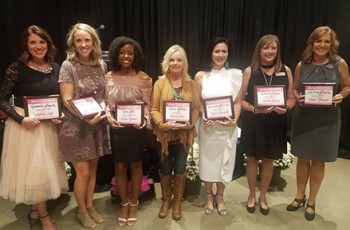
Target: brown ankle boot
178,191
166,184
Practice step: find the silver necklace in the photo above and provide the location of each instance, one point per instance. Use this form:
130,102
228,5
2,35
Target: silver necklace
36,67
266,79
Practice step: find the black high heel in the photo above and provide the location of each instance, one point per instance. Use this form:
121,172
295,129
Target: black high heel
31,220
299,203
310,215
44,217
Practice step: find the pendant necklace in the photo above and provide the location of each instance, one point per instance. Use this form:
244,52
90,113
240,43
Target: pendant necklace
92,82
177,93
266,79
319,66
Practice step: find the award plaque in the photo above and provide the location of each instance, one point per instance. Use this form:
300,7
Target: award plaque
86,107
267,96
45,107
219,108
318,94
129,113
178,111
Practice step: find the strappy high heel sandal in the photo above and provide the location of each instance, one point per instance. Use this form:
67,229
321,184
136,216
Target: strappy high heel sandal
207,209
310,215
222,211
132,220
296,204
31,220
122,221
42,219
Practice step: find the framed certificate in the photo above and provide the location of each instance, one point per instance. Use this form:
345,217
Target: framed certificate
267,96
129,113
219,108
86,107
178,111
45,107
318,94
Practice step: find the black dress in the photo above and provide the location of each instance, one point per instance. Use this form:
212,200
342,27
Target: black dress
264,135
316,130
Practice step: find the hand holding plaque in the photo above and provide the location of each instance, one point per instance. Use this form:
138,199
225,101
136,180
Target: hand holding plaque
45,107
177,111
86,107
318,94
219,108
269,96
129,113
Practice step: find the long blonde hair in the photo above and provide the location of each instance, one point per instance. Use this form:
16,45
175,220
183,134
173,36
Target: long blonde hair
96,53
308,53
256,59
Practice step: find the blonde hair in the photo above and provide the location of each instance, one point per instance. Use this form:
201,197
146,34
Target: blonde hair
166,59
308,53
96,53
256,59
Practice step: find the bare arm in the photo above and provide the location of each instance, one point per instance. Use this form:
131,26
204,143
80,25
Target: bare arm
290,102
297,94
344,82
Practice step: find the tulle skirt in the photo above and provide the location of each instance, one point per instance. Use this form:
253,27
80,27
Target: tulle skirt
30,169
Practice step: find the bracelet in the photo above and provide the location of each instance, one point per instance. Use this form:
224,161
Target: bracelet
254,110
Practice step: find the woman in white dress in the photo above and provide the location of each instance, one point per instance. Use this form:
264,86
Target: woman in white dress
217,139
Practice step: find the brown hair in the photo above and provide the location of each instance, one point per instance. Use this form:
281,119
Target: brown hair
256,60
33,29
308,53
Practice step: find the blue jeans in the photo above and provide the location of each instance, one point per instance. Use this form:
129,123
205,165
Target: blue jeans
175,160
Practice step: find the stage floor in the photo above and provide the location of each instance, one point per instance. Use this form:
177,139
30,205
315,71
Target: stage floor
332,208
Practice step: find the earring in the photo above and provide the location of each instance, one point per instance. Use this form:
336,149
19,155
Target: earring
227,65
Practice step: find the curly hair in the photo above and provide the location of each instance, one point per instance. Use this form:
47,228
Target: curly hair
166,59
115,48
208,61
34,29
72,54
319,32
256,59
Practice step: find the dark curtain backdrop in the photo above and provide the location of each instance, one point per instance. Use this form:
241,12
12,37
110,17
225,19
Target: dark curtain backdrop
157,24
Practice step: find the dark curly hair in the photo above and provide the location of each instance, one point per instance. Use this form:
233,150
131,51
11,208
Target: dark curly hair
34,29
114,50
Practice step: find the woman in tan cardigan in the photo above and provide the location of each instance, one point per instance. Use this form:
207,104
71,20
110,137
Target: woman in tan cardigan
175,138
